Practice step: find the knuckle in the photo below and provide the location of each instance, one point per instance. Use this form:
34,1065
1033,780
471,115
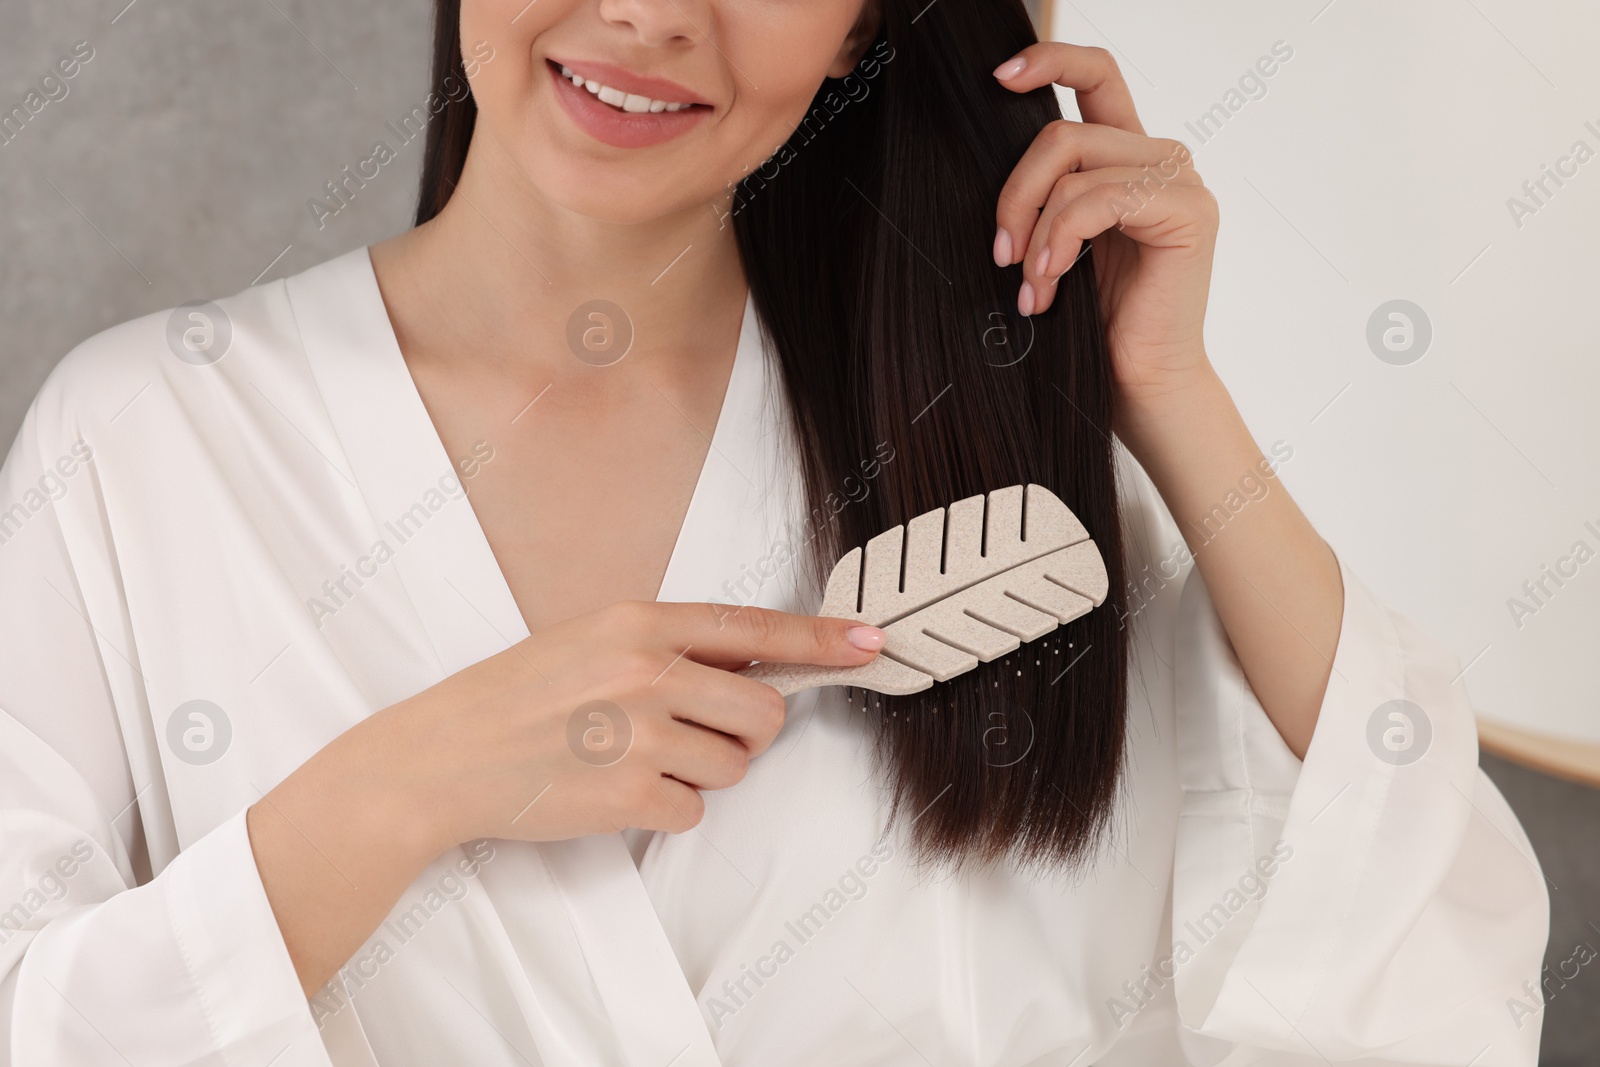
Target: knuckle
773,710
635,667
1060,229
731,765
761,625
721,613
1066,187
1011,202
625,616
687,813
767,714
1060,133
825,634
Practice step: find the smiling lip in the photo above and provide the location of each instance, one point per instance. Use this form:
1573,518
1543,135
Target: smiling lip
629,82
624,129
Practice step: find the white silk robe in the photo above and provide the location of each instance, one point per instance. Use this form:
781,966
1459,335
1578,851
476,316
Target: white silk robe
280,535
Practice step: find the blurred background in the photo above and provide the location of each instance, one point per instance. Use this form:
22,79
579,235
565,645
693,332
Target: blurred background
1405,287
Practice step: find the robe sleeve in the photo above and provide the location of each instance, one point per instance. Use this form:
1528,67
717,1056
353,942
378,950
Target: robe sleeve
100,963
1379,901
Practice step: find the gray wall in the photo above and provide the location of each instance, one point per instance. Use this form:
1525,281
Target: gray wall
180,161
1563,824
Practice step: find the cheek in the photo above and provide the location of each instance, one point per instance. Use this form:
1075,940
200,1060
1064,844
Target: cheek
764,118
513,19
505,30
777,54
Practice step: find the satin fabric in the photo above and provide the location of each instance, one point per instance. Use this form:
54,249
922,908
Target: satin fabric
178,532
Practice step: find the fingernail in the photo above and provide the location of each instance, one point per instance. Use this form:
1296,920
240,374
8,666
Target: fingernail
866,638
1002,248
1044,262
1010,68
1025,299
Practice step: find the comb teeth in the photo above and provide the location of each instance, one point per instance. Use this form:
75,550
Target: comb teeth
994,617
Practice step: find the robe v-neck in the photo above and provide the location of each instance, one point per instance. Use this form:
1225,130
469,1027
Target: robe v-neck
398,456
468,611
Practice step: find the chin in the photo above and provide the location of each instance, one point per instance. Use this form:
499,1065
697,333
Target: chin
625,192
617,202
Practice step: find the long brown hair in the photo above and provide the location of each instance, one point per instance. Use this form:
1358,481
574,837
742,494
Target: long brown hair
866,242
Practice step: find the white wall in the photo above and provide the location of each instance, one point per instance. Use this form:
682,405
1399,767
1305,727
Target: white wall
1378,166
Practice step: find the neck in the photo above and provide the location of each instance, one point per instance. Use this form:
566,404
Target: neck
501,271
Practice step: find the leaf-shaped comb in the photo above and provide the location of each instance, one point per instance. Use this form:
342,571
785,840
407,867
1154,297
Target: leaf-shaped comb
954,587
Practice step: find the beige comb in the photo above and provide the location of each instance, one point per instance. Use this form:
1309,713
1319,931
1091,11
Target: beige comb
1035,569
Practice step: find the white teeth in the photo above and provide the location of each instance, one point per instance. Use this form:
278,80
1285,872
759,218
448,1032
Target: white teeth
630,102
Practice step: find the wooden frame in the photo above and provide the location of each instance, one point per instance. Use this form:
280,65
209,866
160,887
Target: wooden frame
1043,14
1576,761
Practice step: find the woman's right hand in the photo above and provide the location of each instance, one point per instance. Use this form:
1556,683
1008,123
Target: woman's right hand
492,752
613,719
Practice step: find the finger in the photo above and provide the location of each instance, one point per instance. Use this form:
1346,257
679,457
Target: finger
1053,249
713,633
677,809
1168,220
731,704
702,758
1064,147
1092,73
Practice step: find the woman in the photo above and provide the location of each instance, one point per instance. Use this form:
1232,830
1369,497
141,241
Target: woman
312,757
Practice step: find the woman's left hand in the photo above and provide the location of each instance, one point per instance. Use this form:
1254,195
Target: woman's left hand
1139,204
1136,200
